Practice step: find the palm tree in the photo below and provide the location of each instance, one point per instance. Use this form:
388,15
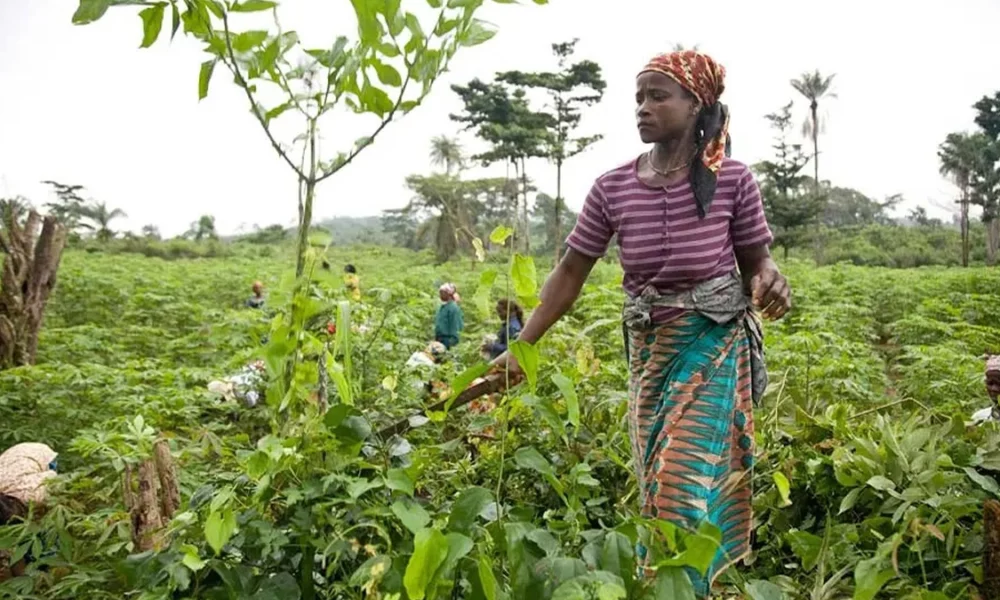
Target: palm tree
447,152
958,159
814,86
99,213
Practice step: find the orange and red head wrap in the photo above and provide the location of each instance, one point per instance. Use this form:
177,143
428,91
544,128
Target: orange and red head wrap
699,74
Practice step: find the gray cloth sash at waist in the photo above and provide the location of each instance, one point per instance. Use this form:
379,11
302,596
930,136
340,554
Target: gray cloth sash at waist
722,300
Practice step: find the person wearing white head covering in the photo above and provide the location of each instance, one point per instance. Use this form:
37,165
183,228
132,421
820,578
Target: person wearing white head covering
449,322
24,469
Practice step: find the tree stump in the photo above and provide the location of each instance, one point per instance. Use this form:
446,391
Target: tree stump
151,499
991,550
29,275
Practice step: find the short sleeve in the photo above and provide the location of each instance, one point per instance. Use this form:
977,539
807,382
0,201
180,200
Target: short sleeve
593,230
750,227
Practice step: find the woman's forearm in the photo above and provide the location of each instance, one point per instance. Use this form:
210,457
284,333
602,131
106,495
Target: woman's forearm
560,291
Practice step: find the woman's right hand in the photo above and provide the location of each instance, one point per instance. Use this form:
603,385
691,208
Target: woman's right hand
506,363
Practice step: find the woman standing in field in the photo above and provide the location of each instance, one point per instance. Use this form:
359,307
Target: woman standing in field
449,321
686,217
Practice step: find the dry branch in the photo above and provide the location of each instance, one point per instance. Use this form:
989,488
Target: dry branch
489,385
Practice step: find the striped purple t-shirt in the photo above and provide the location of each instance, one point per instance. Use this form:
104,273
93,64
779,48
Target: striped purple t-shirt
661,240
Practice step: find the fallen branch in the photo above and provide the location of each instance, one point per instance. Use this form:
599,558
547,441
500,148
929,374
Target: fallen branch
491,384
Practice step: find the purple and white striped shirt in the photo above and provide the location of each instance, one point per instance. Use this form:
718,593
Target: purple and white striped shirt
662,242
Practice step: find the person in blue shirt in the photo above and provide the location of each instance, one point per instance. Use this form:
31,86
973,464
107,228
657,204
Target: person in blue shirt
449,321
512,320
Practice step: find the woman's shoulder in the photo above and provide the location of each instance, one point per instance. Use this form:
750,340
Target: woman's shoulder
732,168
623,174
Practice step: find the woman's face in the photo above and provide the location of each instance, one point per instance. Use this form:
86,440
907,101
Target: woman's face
663,109
993,384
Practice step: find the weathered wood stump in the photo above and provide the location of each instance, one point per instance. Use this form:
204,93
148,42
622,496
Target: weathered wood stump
153,499
29,275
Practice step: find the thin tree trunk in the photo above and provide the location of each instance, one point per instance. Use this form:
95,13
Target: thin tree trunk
992,241
524,207
557,241
305,214
965,226
815,131
26,282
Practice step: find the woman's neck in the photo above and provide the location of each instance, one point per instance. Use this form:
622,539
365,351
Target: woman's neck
673,153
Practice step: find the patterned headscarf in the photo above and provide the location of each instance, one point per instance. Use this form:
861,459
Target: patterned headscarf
993,364
699,74
24,469
450,290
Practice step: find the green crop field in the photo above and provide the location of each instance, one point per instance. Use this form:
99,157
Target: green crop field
868,481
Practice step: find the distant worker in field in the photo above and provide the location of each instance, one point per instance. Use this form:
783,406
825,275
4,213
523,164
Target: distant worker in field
694,245
352,283
512,321
24,469
449,322
257,299
992,412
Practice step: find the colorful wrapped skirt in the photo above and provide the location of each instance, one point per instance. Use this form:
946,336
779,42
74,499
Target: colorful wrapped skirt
691,424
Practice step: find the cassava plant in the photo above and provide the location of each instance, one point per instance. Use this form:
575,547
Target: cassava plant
386,71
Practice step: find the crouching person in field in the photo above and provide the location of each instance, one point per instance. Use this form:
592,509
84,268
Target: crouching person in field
247,386
24,469
992,412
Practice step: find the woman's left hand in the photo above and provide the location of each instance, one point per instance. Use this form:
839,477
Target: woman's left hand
770,292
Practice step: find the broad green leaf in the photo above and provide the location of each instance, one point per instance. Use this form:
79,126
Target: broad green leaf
783,486
90,10
584,587
869,578
529,458
219,528
467,507
277,111
246,41
253,6
477,33
374,100
387,74
673,583
204,77
430,549
849,500
359,487
482,296
152,23
465,379
191,559
175,20
434,3
459,547
411,514
486,577
398,480
984,481
881,483
523,275
500,234
806,546
527,357
617,557
764,590
701,548
569,394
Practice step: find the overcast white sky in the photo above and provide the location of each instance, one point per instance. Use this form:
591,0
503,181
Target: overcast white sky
82,104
